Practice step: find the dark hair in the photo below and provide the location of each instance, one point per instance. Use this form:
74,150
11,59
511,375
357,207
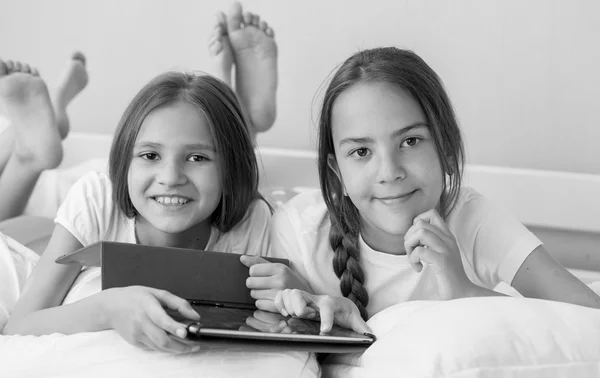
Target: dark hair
409,72
228,125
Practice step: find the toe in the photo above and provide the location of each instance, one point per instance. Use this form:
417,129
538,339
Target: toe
35,72
255,19
234,17
77,55
247,18
10,66
17,67
215,47
221,19
3,68
270,32
25,68
263,26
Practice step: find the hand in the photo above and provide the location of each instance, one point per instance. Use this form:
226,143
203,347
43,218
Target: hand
138,314
330,309
267,278
429,240
263,321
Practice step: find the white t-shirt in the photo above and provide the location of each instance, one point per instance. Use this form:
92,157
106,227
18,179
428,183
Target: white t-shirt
493,245
90,215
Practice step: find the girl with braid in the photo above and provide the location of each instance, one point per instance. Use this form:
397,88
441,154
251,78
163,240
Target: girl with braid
392,222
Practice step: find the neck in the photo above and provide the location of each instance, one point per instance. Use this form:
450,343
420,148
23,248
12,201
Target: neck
383,242
193,238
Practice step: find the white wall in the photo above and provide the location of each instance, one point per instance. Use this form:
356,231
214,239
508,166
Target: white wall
523,75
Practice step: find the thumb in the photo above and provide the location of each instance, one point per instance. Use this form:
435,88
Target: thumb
252,260
175,303
357,324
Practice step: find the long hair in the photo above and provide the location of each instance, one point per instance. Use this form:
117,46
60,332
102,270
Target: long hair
406,70
228,125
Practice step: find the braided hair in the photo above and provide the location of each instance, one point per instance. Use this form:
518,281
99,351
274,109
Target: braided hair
408,71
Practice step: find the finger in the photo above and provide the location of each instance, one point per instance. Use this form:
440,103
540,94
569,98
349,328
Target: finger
279,305
299,305
175,303
264,294
262,283
252,260
326,313
423,224
268,317
266,268
357,324
163,342
425,238
287,302
266,305
434,218
427,255
160,318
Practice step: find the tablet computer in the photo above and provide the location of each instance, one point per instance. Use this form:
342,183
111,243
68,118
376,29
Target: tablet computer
267,330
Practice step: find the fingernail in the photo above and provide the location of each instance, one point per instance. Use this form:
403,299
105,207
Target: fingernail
284,312
180,332
196,348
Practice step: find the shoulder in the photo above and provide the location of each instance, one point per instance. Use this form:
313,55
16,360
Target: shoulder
307,211
306,214
96,184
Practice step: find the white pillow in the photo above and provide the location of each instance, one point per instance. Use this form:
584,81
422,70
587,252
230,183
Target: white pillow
478,337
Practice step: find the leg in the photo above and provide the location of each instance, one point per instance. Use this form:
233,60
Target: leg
36,145
220,50
72,81
255,55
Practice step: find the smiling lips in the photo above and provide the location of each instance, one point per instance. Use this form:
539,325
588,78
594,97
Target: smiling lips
396,199
171,200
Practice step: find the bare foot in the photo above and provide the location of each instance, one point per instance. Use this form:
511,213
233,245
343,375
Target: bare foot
25,101
255,54
72,81
220,50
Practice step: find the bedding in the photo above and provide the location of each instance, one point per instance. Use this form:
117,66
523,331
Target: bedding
478,337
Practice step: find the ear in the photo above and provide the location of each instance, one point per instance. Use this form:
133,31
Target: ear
333,165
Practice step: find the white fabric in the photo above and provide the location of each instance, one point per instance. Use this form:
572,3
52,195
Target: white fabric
105,354
16,264
478,337
90,215
53,186
493,245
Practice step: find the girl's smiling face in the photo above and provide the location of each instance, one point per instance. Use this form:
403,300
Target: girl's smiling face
386,159
175,177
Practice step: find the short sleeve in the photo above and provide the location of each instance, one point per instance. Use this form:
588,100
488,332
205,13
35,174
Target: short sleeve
492,241
82,212
285,242
252,235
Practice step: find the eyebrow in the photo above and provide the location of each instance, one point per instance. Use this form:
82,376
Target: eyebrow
195,146
395,134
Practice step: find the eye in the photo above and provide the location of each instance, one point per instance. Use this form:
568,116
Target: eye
360,152
198,158
149,156
410,142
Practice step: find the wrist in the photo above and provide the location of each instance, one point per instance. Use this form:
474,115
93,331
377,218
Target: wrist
101,311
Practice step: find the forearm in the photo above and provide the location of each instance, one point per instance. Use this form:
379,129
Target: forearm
86,315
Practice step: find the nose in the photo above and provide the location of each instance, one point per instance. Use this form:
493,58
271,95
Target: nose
171,173
390,168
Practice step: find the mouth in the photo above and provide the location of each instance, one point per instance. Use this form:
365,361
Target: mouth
396,199
171,200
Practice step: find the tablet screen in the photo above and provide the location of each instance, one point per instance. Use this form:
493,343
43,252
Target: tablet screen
262,325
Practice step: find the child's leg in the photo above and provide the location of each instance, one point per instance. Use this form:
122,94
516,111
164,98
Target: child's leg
255,55
37,145
220,49
72,81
